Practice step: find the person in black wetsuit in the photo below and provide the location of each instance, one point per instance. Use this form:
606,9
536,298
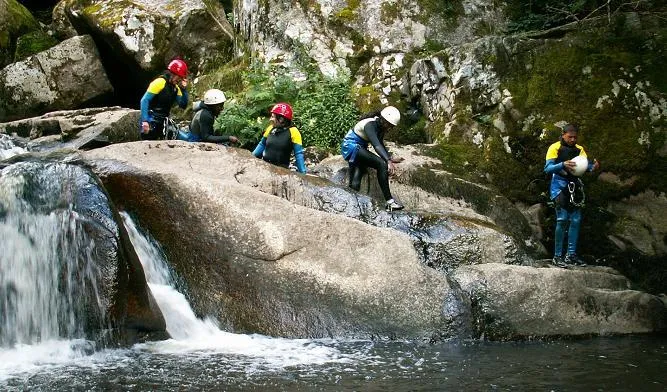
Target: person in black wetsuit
160,96
354,149
280,139
201,126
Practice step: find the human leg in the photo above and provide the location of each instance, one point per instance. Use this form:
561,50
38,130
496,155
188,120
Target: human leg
365,158
356,173
573,237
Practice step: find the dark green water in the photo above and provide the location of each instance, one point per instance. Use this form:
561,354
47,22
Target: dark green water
600,364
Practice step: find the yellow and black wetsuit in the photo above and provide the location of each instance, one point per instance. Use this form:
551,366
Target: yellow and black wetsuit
157,102
277,145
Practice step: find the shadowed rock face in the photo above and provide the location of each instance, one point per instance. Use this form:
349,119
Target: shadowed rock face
102,280
265,250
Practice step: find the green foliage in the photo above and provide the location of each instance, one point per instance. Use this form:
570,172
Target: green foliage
323,108
325,113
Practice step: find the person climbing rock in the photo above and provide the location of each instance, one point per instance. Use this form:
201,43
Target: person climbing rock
567,193
371,129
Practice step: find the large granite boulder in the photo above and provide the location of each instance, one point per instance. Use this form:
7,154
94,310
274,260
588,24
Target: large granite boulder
145,35
514,302
260,263
264,250
67,76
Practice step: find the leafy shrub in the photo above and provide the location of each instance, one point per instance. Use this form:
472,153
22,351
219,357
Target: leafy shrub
323,108
325,113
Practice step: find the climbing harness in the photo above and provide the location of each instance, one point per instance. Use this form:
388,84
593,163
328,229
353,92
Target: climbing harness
577,194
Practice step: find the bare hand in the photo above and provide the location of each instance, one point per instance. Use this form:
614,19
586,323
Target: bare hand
233,139
184,83
392,167
145,127
569,165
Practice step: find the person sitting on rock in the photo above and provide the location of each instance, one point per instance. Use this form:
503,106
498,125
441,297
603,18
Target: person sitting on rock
280,138
201,126
354,148
162,93
566,191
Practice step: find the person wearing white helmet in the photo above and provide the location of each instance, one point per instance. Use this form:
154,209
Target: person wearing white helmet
371,129
566,193
201,126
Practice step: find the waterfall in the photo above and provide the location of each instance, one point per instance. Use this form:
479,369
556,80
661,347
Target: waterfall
192,334
47,278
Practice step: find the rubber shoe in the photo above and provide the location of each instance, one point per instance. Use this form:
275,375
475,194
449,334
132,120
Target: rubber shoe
559,262
575,260
393,205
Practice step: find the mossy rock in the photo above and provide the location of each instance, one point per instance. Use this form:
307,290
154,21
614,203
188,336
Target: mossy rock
32,43
15,20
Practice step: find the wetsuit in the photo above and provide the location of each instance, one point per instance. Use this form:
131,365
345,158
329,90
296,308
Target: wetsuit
277,145
201,126
566,211
156,105
355,151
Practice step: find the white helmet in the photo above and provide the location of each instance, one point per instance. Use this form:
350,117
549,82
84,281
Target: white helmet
214,97
391,114
581,163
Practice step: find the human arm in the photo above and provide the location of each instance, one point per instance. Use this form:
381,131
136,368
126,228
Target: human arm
206,121
182,95
297,144
145,116
259,150
371,131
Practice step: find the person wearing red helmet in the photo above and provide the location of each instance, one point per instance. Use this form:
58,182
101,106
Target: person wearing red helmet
280,138
160,96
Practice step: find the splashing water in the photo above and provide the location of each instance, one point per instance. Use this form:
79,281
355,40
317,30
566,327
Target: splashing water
46,272
7,147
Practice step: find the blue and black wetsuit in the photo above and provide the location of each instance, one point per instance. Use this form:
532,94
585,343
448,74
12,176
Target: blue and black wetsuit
277,145
355,151
156,104
566,211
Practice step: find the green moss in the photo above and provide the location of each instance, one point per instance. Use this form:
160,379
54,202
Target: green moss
367,98
33,43
389,12
449,10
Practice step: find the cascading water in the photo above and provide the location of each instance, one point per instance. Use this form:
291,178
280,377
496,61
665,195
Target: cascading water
47,280
192,334
8,147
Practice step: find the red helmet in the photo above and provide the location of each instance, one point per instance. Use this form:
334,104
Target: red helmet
178,67
284,109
